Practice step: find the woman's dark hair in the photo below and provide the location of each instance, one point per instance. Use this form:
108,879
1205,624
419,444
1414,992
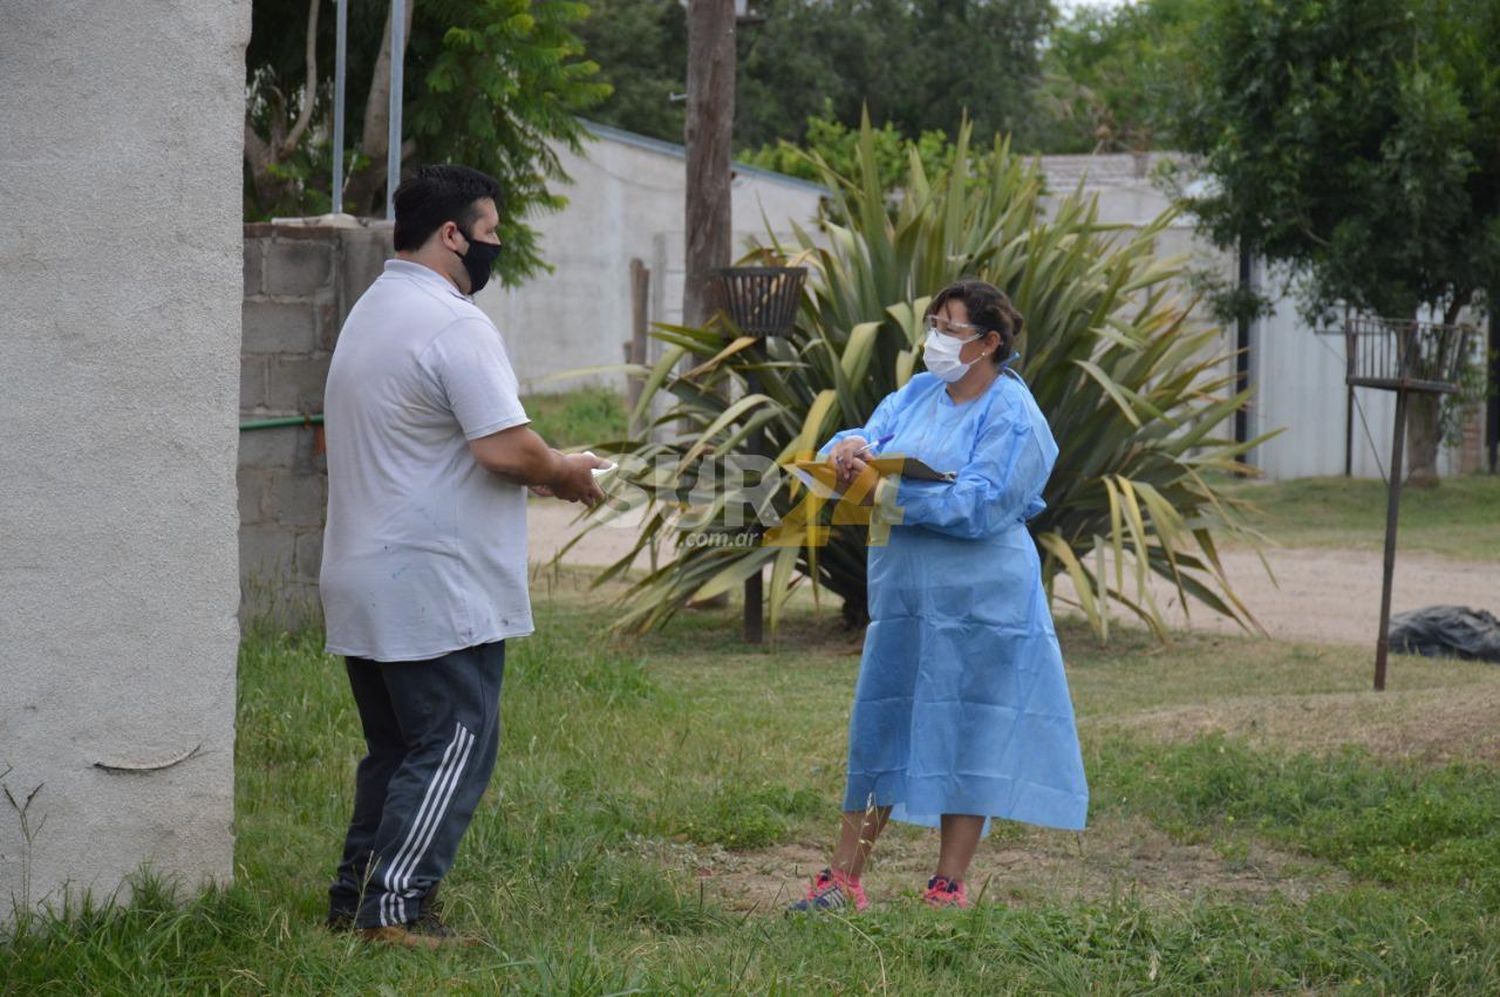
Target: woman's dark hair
437,194
988,308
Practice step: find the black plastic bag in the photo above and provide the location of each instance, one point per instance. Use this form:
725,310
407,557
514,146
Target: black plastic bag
1447,632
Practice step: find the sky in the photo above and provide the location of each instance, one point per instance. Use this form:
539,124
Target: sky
1066,7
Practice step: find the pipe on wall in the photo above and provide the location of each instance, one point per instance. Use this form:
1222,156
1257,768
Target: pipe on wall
281,422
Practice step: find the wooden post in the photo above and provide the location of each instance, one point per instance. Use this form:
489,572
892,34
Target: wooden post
635,350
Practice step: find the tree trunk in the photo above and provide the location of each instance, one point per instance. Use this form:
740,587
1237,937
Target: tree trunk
1423,438
1424,430
261,158
369,184
708,134
310,88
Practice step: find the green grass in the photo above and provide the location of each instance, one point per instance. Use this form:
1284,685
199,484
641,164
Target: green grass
578,418
1459,518
626,769
1394,824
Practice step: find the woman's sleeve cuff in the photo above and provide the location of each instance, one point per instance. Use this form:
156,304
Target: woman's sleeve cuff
887,510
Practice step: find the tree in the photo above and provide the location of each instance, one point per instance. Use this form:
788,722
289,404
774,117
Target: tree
1119,78
1357,142
919,64
490,83
641,49
838,146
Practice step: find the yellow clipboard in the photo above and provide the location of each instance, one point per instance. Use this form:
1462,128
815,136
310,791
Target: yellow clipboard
820,476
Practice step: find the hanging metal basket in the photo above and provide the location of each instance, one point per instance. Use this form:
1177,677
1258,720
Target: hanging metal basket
762,301
1403,355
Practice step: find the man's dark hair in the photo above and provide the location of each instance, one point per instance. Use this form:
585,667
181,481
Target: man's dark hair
437,194
988,308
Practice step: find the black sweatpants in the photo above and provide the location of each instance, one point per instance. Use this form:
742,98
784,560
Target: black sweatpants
431,729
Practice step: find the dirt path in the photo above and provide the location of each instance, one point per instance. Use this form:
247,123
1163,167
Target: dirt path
1029,867
1330,596
1333,596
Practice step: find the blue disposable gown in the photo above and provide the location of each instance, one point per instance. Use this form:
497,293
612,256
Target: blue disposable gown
962,706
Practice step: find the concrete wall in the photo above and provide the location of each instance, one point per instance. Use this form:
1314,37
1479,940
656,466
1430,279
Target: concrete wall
300,282
626,201
120,282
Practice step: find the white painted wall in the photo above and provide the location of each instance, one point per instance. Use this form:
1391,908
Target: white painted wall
627,200
120,278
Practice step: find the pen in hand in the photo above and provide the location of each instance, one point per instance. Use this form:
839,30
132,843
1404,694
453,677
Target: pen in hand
870,446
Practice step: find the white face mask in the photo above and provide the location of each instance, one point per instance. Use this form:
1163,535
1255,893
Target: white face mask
940,353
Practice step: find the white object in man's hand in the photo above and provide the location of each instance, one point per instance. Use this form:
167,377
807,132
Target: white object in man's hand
577,482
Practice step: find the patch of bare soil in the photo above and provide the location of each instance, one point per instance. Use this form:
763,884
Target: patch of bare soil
1330,596
1425,725
1040,868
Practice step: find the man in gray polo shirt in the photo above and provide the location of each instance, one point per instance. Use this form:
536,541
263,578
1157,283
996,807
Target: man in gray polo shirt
424,555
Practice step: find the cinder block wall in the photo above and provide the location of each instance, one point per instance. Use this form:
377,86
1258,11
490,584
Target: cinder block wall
300,282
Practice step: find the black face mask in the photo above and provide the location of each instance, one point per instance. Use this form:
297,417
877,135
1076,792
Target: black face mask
477,261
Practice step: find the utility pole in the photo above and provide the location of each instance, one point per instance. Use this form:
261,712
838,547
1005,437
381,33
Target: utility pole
707,135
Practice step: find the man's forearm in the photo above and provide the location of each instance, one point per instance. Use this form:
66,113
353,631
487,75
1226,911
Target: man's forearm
519,455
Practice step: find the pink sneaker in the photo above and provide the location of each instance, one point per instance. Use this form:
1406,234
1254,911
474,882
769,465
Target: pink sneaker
831,890
945,892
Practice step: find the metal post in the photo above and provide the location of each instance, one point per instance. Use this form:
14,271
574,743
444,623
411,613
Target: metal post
1392,513
1348,432
1242,354
754,585
340,47
393,151
1492,407
1349,354
761,302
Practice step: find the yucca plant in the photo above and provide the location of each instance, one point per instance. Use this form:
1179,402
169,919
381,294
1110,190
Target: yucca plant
1133,390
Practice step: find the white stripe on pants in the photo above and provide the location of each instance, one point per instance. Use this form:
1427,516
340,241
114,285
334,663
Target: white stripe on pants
440,789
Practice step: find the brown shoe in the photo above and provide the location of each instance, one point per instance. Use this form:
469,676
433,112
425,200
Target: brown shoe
404,936
427,932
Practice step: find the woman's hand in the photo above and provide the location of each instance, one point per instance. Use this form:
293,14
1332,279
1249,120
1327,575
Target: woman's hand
847,460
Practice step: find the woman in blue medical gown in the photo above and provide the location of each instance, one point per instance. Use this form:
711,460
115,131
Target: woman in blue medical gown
961,712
